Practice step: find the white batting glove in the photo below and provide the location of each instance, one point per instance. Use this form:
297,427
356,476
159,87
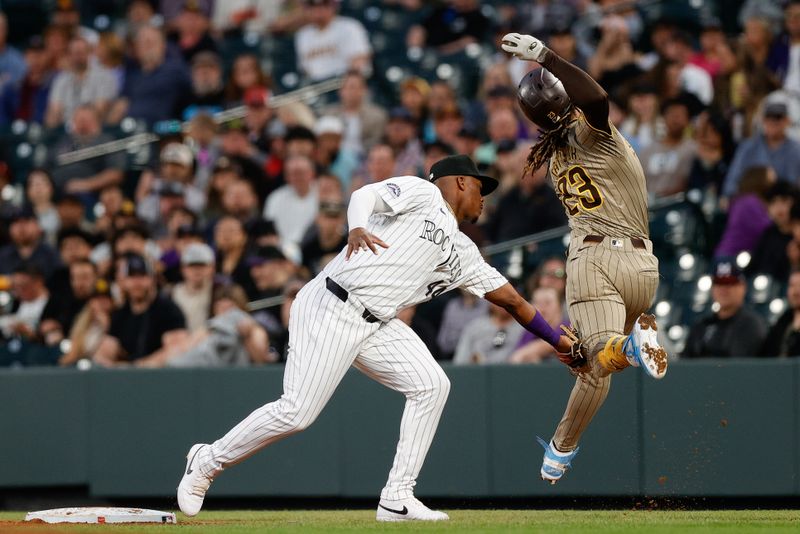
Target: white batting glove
525,47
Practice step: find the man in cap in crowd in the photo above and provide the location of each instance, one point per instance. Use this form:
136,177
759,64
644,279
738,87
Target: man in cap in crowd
176,178
27,244
63,307
208,86
139,328
193,294
401,136
326,238
31,297
331,156
732,329
769,148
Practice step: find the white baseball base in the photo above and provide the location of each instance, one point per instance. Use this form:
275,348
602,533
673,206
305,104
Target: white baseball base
101,515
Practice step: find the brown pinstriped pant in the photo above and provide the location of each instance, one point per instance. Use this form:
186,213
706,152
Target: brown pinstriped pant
609,285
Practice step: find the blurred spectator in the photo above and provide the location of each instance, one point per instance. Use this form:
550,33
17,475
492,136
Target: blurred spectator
86,177
72,212
139,13
91,325
770,256
467,142
230,338
326,238
614,60
434,152
12,63
74,245
142,326
27,245
246,73
225,172
364,122
235,144
27,99
450,27
63,307
171,10
748,217
230,241
331,157
201,136
379,166
563,42
112,202
692,79
503,125
414,93
110,53
771,148
207,86
193,294
401,136
30,299
293,207
552,272
39,191
442,97
784,55
733,330
668,161
56,40
84,83
527,208
714,153
257,119
488,339
711,38
783,338
155,88
458,313
531,349
193,27
172,186
67,15
447,123
644,124
330,45
240,200
270,270
251,16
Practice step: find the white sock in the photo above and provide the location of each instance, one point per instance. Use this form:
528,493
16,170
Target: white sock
558,452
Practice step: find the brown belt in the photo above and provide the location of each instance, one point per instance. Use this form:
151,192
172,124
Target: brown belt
635,241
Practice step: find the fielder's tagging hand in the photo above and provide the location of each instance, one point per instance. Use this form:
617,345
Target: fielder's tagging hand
571,350
525,47
360,239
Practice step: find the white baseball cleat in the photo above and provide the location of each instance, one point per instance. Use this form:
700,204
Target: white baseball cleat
642,348
407,510
194,484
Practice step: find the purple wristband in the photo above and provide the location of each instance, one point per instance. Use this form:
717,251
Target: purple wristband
539,327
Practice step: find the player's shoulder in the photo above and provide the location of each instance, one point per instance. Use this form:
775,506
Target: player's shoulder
407,184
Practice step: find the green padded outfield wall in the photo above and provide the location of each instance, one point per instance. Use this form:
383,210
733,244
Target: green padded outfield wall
125,432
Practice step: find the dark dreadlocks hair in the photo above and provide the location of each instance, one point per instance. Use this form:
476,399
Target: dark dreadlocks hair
549,142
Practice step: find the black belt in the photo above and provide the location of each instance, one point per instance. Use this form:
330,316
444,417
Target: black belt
342,294
635,241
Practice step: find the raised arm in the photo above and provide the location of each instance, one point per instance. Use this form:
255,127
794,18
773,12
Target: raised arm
582,89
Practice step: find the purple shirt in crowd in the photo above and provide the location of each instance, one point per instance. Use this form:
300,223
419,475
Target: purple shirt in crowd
747,220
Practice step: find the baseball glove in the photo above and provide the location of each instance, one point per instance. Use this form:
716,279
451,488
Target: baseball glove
576,357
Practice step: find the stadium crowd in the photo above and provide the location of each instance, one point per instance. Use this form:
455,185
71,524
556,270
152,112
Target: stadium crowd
192,257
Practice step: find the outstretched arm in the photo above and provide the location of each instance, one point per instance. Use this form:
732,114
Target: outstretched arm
582,89
525,314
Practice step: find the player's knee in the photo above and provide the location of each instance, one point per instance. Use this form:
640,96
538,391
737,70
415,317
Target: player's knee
294,417
440,386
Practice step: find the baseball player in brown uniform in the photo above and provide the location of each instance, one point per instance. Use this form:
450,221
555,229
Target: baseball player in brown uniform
612,274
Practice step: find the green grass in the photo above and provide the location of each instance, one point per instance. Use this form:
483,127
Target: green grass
460,521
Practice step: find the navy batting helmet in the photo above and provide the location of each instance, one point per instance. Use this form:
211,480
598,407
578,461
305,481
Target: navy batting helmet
543,99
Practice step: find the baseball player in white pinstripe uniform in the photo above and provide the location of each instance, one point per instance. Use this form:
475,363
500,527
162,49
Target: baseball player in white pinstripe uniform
346,316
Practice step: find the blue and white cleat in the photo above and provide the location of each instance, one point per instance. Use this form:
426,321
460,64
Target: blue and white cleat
642,348
554,463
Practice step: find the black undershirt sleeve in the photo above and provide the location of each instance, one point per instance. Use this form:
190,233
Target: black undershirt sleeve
582,89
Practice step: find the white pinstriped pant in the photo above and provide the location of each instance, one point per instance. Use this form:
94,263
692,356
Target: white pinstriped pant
326,337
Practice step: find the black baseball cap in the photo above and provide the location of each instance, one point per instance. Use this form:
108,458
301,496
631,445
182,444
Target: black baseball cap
726,272
265,254
506,145
461,165
776,110
136,265
24,212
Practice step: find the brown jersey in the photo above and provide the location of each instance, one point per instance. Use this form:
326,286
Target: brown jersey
600,182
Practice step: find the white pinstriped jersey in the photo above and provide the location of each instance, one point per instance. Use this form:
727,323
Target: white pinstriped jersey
427,255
